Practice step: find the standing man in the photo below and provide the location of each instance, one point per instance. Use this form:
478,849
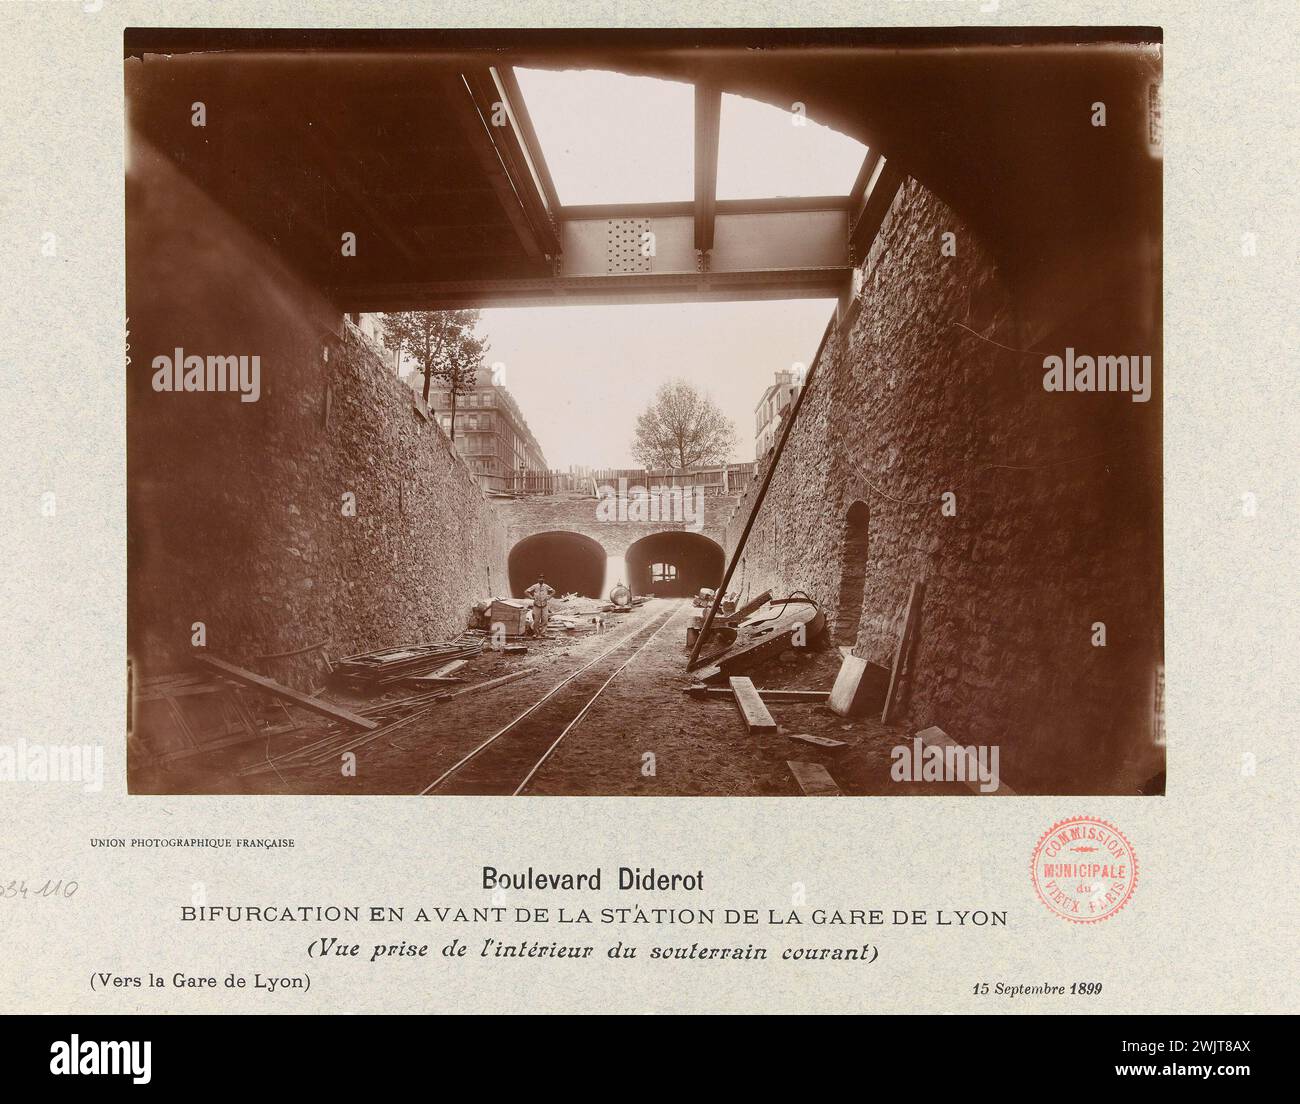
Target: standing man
541,595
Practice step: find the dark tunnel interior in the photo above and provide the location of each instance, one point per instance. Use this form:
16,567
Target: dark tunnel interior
674,565
570,562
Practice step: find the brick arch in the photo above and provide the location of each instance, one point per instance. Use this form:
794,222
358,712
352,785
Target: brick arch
698,561
570,561
536,514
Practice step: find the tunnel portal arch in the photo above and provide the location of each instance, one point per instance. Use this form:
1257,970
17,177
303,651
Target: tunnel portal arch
673,564
571,562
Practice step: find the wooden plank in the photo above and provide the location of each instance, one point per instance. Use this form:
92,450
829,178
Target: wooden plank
809,696
858,687
180,690
820,741
752,710
334,752
852,668
214,745
814,779
315,705
489,684
450,668
750,607
936,737
904,646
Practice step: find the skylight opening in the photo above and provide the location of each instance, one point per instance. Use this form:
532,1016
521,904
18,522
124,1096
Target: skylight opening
611,138
765,151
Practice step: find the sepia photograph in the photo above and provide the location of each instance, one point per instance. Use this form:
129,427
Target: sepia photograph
654,413
416,406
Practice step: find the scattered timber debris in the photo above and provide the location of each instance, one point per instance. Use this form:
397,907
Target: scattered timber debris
753,712
755,506
336,743
814,779
820,741
489,684
296,697
938,739
704,599
369,672
750,607
431,682
178,715
513,617
859,687
769,630
905,643
701,691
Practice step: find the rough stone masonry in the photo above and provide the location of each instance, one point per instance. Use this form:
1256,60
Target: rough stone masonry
1032,516
328,510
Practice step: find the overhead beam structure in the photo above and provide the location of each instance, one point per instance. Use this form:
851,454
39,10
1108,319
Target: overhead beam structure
935,100
873,193
760,249
482,106
708,123
430,166
707,249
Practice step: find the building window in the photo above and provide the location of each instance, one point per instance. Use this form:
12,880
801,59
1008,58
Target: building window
663,573
485,421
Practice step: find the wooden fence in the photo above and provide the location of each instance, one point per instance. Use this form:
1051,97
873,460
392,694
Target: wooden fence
738,477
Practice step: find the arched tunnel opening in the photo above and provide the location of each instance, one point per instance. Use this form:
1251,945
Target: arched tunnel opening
571,563
674,565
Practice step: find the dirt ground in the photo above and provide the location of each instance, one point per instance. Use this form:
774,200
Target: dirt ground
699,747
643,736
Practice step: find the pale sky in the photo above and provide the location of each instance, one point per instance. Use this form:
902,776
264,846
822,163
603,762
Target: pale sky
581,375
611,138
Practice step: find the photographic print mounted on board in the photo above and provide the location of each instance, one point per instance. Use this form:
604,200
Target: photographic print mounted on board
645,413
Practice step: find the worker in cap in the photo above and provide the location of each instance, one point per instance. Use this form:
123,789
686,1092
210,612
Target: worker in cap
541,594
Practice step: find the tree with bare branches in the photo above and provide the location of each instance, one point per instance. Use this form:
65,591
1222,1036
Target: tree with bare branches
444,345
682,428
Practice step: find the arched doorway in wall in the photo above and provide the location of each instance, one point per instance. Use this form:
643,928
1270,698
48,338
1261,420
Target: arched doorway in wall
674,565
571,563
853,573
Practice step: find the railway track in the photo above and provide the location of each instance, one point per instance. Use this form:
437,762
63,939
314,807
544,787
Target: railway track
508,760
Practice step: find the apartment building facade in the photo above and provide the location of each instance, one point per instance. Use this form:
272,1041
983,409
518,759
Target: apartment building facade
771,408
492,435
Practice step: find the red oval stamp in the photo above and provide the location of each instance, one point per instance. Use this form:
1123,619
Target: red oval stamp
1084,869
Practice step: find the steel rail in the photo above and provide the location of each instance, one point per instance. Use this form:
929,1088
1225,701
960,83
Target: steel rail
583,711
537,704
